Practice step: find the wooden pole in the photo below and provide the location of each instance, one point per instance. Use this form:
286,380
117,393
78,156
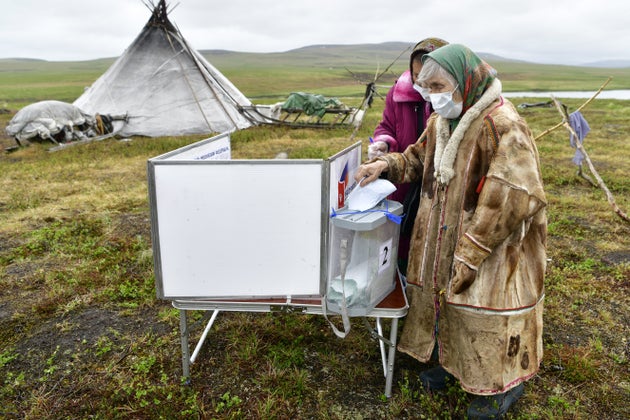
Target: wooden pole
580,147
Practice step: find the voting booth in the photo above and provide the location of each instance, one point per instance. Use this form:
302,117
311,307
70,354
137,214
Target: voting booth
257,235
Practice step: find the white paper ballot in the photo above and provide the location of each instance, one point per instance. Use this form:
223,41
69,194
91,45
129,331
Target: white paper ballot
364,198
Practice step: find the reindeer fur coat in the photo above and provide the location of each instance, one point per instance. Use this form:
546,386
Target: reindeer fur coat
486,209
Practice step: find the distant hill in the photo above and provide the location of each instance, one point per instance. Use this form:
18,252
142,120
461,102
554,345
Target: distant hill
492,58
339,62
610,64
325,55
360,58
335,56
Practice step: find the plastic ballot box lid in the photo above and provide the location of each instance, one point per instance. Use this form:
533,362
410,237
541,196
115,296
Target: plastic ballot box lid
367,219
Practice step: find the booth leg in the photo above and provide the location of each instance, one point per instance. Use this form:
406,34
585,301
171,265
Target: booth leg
183,328
187,358
381,345
389,376
202,339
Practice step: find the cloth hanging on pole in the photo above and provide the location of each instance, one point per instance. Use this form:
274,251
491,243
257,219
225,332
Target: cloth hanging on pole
579,124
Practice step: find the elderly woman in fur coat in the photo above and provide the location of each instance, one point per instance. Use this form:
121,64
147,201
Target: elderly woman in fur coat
477,257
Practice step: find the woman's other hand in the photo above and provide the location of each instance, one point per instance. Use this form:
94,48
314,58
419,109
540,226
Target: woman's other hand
463,277
376,149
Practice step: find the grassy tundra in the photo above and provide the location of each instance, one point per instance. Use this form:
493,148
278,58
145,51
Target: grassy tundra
82,334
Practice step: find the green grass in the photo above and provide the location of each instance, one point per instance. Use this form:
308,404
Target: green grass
83,335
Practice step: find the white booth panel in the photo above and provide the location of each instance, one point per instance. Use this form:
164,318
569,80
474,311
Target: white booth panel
237,228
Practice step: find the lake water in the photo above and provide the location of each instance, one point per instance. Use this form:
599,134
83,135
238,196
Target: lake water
605,94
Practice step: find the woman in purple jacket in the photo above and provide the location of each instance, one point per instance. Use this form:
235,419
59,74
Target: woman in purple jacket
404,119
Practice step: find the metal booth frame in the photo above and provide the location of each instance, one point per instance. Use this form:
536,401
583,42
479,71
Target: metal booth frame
393,307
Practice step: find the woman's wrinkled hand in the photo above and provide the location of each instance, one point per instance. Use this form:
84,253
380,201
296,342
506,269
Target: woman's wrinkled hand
369,172
463,278
376,149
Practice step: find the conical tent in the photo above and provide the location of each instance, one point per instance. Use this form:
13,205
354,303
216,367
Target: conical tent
165,87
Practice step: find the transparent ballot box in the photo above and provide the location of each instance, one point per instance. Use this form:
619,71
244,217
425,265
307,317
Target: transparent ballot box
362,257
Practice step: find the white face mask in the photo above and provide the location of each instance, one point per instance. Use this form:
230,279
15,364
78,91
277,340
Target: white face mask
444,105
422,91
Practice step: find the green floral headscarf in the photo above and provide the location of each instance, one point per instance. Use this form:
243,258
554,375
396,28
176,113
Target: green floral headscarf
473,75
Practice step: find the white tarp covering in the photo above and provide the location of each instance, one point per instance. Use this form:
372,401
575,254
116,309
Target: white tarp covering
165,87
54,120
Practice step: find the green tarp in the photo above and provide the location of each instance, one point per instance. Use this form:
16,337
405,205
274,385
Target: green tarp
311,104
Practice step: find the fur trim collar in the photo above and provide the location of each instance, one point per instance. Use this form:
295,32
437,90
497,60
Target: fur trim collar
446,146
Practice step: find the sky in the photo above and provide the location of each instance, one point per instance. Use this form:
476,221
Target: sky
541,31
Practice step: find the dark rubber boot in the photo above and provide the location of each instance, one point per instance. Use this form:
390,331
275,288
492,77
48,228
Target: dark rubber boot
494,406
436,379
